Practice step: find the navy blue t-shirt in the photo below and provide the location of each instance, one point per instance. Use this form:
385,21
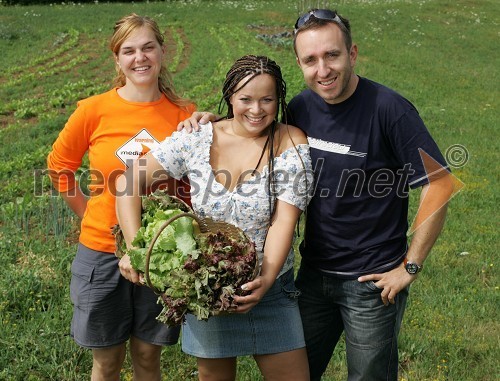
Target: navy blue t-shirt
366,153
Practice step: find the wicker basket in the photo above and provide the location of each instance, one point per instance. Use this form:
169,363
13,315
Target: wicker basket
202,226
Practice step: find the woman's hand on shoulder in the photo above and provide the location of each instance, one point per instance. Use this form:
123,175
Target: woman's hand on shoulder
193,122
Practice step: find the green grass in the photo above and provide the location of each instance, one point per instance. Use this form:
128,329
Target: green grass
441,55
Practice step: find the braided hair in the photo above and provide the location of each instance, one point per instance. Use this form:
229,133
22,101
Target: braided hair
252,66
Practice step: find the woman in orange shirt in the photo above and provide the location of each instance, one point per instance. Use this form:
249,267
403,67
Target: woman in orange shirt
115,128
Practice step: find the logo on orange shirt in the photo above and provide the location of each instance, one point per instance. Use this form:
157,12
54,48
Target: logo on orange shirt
137,146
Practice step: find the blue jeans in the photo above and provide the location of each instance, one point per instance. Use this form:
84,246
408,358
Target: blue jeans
329,306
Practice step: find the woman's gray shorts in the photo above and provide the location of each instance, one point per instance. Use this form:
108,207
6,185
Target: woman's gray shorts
108,309
272,326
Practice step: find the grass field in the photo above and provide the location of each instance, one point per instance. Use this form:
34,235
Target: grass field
441,55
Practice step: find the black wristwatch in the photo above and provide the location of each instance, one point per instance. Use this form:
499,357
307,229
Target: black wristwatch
411,267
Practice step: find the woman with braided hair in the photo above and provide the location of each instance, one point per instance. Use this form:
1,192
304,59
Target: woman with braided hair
252,171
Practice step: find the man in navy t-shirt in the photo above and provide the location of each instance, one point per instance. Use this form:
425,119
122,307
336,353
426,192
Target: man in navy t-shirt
369,146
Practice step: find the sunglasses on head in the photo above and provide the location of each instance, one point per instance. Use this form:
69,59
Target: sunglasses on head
322,14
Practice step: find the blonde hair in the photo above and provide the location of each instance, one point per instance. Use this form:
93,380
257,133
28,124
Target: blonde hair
121,31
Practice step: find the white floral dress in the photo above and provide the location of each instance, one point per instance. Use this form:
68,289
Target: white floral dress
247,205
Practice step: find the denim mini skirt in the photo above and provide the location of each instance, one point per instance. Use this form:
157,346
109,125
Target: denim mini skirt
272,326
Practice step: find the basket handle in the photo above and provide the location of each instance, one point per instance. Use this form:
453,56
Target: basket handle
203,229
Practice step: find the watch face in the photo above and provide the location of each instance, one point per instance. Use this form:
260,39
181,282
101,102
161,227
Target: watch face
412,268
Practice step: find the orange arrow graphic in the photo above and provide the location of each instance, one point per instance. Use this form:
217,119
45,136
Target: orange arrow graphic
442,187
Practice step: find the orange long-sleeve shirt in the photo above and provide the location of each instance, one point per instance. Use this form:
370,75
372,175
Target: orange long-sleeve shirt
114,132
